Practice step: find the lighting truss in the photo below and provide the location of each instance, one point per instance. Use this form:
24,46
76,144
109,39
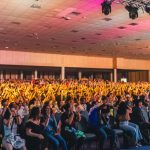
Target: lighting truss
132,6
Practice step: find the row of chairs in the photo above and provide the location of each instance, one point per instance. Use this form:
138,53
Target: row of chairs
91,138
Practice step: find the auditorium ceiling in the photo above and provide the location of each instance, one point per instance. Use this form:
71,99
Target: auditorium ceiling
73,27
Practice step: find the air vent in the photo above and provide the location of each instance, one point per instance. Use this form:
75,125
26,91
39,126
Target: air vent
4,33
83,38
107,19
37,44
74,31
75,13
98,34
121,27
133,24
16,23
137,39
29,36
119,37
35,6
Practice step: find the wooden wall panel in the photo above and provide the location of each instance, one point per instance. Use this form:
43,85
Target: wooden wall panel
133,64
55,60
136,76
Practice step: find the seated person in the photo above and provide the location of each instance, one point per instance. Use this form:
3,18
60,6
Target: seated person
10,124
34,132
137,117
68,130
51,131
99,124
123,115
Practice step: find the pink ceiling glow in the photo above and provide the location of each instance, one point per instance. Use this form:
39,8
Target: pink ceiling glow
75,27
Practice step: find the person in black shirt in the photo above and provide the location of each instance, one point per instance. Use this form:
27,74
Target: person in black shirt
137,117
68,120
34,132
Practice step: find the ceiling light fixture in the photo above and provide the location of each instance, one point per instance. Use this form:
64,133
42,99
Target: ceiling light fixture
132,6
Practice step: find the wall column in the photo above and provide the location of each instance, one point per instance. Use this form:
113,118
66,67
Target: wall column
92,76
62,73
35,74
79,75
21,75
1,75
148,75
111,76
16,76
115,68
115,75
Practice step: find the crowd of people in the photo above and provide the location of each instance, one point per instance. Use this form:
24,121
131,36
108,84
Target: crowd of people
44,114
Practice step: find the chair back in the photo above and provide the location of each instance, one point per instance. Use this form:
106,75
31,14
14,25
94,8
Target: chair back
85,115
82,125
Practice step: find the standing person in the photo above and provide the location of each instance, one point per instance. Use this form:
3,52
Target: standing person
34,132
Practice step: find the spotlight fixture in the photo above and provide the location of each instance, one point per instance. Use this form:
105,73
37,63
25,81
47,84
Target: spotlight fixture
106,7
133,11
147,8
132,6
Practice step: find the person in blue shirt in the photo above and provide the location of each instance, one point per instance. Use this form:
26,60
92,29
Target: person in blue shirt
51,129
99,126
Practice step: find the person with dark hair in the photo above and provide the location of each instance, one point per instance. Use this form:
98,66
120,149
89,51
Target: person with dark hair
34,132
51,129
32,103
138,118
99,123
123,115
10,123
4,104
68,130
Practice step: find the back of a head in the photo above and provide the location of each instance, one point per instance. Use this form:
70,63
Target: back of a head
104,98
122,108
34,113
7,114
66,107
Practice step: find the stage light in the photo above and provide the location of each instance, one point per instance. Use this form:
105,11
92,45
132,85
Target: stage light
133,11
106,7
147,8
132,6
